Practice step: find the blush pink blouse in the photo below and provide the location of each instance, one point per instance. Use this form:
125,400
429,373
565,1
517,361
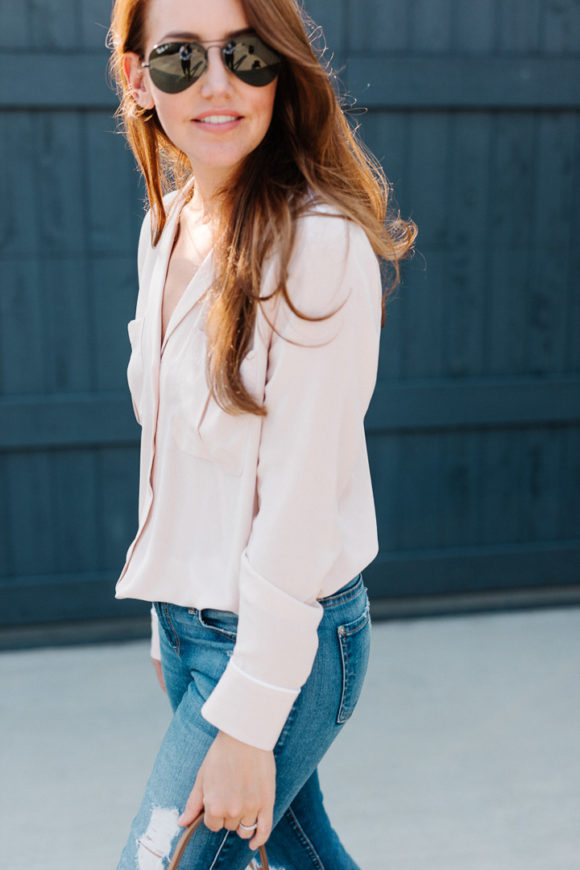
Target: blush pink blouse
260,516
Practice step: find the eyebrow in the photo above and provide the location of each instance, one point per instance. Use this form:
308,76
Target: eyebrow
194,37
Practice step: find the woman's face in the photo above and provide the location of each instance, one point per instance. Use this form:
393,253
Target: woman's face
219,119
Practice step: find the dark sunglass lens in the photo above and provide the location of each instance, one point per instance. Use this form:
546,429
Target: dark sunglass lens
175,66
252,61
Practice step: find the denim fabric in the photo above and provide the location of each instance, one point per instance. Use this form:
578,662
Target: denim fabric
195,649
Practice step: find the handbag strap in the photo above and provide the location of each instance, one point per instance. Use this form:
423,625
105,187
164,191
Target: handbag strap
188,834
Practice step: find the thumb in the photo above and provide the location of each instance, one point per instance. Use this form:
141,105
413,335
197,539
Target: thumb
194,805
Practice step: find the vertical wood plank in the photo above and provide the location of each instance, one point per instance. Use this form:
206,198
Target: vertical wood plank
509,240
573,309
553,216
546,331
118,473
94,22
541,493
556,168
569,520
513,180
460,486
53,23
113,306
391,336
22,337
473,26
518,26
501,486
383,26
428,177
384,460
113,211
468,257
32,531
75,510
19,219
419,495
387,136
59,181
509,291
431,25
68,327
561,27
6,539
15,23
428,182
573,303
421,318
331,19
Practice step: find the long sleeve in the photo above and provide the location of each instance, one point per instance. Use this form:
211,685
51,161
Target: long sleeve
312,473
143,250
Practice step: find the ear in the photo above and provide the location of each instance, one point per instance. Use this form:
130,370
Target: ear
138,81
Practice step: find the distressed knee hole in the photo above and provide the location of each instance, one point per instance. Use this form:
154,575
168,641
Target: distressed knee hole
155,844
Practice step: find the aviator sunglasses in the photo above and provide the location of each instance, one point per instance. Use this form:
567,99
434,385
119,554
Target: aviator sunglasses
175,66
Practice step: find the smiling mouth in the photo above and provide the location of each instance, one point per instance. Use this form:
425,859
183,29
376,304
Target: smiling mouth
218,119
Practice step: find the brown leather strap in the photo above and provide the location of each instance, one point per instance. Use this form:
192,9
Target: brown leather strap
188,834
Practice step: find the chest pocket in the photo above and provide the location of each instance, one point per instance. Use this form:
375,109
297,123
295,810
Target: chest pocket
135,367
200,427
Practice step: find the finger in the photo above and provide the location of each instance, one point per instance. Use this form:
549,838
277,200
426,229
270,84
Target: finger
214,823
263,831
231,823
194,805
245,835
159,672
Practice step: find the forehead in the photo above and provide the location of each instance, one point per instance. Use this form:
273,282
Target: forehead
205,19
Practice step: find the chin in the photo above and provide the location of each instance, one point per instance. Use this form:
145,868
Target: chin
220,162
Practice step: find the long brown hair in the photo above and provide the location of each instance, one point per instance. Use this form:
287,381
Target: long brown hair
310,148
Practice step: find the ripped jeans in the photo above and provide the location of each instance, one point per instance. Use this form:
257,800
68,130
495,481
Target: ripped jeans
195,649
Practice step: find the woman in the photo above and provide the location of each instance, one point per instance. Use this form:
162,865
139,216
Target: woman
254,357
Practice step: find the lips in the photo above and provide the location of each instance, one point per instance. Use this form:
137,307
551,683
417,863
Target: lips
217,118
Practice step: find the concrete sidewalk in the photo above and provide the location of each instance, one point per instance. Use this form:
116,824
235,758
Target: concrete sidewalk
463,754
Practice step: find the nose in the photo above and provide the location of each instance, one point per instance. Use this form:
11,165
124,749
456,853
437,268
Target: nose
216,80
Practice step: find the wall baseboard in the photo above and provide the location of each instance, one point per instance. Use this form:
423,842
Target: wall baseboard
419,607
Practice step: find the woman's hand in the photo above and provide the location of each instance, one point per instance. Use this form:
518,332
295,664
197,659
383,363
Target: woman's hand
159,672
236,783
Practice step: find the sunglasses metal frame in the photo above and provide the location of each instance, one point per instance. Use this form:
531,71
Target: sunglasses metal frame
266,73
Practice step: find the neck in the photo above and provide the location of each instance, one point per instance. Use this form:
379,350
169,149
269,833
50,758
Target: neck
205,197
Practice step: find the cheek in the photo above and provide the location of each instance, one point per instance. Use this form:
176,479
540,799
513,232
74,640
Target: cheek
168,114
264,106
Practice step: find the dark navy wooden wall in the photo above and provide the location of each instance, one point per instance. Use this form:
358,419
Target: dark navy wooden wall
473,432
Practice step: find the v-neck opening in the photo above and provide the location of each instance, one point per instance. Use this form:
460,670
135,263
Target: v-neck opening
177,314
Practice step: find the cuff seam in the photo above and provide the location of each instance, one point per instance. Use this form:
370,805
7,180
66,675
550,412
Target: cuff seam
263,682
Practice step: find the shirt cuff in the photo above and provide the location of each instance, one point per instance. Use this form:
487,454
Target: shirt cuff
249,710
155,643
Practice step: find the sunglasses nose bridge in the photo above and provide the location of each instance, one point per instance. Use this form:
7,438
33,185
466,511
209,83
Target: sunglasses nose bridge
215,65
